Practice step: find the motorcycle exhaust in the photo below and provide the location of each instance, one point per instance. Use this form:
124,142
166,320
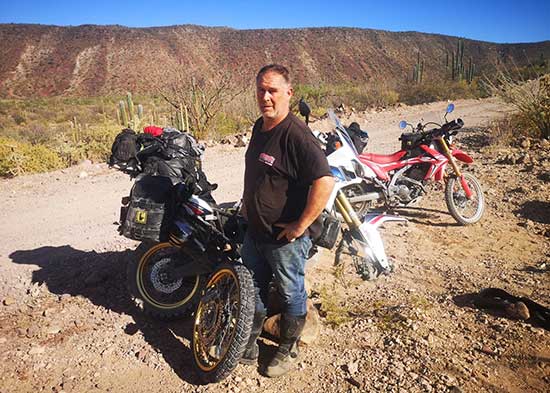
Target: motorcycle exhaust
369,196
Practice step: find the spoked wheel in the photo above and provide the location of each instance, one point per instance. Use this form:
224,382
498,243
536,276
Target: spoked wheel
223,322
465,211
151,280
355,190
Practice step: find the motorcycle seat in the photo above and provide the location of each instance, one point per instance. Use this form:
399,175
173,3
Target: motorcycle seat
382,158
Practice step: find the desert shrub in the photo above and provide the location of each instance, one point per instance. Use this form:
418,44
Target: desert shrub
18,118
531,98
421,93
18,158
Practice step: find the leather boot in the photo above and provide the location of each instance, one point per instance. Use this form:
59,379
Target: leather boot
286,356
250,355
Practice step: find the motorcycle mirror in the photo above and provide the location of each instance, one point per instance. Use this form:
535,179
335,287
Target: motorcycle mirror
450,107
402,124
304,108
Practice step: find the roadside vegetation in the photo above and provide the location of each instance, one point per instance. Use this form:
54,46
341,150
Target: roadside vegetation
44,134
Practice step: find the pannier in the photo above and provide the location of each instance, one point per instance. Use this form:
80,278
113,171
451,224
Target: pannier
149,210
330,228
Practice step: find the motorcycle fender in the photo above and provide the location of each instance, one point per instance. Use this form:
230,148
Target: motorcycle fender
373,244
461,156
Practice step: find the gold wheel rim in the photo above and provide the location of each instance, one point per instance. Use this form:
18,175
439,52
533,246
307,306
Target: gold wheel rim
145,295
200,309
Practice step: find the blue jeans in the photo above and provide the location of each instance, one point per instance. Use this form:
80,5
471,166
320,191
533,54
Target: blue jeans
284,265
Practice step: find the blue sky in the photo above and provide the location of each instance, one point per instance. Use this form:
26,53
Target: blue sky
496,21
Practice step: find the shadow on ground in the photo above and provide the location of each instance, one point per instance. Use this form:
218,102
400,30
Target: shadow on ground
538,211
101,278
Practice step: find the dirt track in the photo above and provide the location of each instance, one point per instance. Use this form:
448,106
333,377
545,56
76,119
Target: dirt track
66,322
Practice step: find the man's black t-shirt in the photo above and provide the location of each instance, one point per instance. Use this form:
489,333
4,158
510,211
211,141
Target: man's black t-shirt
281,165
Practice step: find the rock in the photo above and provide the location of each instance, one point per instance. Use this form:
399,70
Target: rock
242,141
8,301
526,143
352,367
454,389
312,326
83,174
517,311
33,331
141,355
53,330
37,350
488,351
354,382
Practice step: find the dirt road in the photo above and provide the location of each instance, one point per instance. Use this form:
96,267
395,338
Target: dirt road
66,323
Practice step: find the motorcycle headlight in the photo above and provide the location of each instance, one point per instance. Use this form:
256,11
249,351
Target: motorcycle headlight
337,173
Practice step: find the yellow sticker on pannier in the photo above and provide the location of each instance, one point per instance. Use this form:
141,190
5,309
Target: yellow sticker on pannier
141,217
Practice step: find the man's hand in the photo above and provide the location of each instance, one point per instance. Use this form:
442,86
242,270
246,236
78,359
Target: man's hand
291,230
316,200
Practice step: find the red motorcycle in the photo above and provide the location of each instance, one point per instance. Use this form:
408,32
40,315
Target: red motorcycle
399,179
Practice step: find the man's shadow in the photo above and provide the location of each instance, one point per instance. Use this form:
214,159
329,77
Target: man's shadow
101,278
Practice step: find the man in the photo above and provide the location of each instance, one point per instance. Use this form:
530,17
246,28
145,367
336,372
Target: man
287,184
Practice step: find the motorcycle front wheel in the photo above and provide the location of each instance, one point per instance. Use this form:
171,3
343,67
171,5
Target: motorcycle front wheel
465,211
355,190
223,322
150,280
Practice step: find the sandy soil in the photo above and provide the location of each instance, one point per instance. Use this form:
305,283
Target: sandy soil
67,323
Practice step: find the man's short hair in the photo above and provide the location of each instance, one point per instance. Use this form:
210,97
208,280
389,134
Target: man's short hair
277,68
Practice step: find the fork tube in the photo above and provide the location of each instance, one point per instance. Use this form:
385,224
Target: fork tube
346,210
449,155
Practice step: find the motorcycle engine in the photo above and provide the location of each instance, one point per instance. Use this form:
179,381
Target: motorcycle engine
405,191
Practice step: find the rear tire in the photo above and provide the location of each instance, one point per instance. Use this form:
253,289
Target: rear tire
150,283
223,322
465,211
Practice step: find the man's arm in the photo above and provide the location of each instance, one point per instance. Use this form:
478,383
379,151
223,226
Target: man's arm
317,198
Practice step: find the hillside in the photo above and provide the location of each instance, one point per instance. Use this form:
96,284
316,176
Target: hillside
39,60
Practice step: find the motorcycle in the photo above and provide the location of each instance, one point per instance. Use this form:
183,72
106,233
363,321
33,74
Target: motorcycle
400,179
196,266
361,239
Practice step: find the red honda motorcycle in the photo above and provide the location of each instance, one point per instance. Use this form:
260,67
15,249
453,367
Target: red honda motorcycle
399,179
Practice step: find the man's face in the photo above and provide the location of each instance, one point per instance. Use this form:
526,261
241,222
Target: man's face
273,94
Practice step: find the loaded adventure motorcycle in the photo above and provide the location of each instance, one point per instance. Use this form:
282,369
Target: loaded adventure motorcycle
400,179
189,259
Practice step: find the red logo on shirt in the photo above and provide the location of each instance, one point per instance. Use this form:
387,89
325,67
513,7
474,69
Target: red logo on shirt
267,159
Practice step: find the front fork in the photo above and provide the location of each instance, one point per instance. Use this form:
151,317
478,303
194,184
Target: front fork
455,167
366,233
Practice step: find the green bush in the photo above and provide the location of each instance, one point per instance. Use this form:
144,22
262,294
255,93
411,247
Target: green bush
19,158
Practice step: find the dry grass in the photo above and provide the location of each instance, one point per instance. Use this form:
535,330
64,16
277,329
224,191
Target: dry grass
531,99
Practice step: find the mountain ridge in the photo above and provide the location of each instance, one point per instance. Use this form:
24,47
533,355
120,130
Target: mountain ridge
86,60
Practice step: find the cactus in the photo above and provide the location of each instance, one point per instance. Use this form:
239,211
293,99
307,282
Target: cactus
418,70
470,71
457,61
130,104
127,116
155,116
